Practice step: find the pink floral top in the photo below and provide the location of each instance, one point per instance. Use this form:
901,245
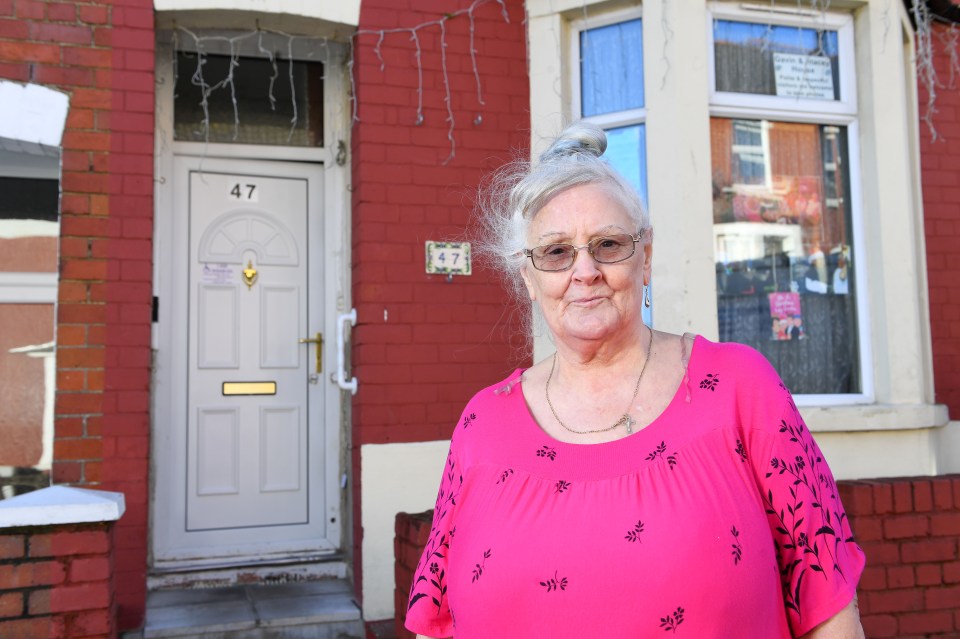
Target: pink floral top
719,519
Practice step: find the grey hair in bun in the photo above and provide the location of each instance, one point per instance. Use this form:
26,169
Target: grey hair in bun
577,138
514,195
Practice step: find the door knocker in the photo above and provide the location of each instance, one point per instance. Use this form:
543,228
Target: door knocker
249,275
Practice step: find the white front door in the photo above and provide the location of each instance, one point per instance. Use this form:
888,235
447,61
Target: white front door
259,453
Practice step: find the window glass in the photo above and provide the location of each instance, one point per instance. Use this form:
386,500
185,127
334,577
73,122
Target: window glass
611,81
259,109
777,60
611,68
783,242
29,238
627,152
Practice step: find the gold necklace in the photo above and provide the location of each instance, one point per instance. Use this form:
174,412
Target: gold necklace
624,419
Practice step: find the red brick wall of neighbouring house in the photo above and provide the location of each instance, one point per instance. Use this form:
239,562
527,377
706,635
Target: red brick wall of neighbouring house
101,54
940,166
412,533
422,345
908,528
57,582
910,532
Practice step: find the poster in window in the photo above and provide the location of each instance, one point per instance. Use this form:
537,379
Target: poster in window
786,317
803,76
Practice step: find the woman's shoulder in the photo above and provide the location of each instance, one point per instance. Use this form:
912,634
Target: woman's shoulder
485,419
489,401
745,382
737,361
498,390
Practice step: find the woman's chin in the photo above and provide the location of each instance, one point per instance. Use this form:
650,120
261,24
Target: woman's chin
589,329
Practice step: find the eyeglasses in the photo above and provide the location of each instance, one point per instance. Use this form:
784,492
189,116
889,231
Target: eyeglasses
608,249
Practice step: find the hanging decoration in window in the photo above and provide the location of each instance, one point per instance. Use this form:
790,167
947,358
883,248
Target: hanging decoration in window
227,80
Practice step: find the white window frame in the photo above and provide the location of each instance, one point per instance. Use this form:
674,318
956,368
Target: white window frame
759,14
841,112
628,117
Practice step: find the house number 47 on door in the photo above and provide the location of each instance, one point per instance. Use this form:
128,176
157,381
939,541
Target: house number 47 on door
244,192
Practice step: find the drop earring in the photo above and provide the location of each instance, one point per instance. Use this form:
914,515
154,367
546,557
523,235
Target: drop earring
646,295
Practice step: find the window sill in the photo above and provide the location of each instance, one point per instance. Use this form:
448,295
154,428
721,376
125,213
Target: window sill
61,505
874,417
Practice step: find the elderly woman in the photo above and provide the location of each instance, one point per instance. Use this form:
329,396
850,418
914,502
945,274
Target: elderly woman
635,482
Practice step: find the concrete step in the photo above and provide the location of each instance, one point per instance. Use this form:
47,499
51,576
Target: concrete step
309,610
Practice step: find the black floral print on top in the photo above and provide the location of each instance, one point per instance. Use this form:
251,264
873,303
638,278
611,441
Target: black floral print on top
710,381
811,528
556,583
737,551
633,535
469,419
478,569
546,451
671,622
741,451
430,578
659,452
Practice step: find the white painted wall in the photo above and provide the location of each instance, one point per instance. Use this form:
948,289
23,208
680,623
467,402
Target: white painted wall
393,478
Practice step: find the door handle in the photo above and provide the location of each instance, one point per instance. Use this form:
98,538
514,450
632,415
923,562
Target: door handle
341,375
318,340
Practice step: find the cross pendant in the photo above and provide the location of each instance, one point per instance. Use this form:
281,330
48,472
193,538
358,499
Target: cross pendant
629,421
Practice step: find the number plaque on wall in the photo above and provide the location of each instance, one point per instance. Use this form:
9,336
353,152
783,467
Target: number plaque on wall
448,258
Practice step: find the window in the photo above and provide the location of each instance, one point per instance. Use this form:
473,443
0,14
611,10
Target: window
269,101
611,94
785,241
29,232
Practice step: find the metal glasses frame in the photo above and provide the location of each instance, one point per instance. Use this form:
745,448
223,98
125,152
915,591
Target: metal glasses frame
589,246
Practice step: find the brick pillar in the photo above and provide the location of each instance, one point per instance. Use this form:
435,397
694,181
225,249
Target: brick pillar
57,581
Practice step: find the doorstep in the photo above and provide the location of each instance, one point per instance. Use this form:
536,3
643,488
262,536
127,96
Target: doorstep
314,609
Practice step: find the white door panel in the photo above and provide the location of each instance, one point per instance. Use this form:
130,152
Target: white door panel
256,443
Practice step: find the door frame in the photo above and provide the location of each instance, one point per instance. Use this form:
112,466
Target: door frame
168,444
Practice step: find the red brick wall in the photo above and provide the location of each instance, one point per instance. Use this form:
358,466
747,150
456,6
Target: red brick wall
101,54
940,165
908,528
910,531
422,345
412,533
56,581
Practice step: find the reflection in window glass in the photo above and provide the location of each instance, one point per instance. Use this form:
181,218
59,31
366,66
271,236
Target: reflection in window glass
784,251
262,95
611,68
776,60
627,152
29,232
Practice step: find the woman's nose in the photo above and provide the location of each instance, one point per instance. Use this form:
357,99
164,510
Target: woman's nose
584,267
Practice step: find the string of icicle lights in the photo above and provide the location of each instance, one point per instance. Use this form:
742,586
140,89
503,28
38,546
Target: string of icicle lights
925,54
208,85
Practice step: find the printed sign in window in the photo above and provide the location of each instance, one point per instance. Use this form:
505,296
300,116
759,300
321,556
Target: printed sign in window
803,76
